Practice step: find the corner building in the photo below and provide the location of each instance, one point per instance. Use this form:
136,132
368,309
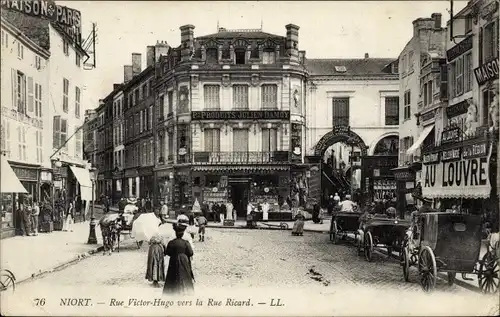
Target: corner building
228,106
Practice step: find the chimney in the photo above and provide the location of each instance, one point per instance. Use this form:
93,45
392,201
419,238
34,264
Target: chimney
150,56
367,55
187,41
292,43
437,20
136,64
127,73
161,49
101,102
422,24
116,86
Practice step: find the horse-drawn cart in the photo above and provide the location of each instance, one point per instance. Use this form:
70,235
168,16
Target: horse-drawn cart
344,223
451,243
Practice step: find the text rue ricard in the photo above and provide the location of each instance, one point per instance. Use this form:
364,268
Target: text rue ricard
470,172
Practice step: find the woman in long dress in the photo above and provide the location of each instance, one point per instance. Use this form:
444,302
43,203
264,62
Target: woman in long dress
298,226
156,262
68,223
180,277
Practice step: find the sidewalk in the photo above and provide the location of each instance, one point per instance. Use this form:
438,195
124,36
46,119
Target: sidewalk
29,257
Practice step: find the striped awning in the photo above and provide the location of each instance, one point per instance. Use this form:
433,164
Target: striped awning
249,169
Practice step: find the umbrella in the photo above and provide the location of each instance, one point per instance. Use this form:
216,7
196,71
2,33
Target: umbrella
167,233
145,227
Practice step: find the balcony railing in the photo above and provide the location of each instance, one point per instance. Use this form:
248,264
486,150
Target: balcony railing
272,157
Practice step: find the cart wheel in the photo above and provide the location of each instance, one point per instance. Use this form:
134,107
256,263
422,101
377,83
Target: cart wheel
284,226
7,280
401,253
488,274
427,269
451,278
359,242
368,246
406,264
334,232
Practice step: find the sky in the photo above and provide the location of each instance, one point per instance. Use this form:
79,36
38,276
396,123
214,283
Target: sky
334,29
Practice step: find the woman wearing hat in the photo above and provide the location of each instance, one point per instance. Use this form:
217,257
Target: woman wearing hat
180,277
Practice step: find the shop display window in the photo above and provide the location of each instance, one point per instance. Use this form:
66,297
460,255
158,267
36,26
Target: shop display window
7,207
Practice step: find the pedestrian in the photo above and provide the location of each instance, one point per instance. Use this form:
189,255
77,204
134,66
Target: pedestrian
68,223
25,208
298,226
222,212
149,205
347,205
229,211
106,204
202,223
192,228
35,213
78,207
180,277
210,210
163,209
315,214
265,210
155,271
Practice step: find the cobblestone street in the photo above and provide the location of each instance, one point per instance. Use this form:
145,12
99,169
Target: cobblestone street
263,260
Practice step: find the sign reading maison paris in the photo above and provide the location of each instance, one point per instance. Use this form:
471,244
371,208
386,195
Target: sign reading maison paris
240,115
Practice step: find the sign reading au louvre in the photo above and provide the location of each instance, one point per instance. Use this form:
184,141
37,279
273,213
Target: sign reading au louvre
241,115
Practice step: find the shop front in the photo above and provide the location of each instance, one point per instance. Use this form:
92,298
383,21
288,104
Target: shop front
242,185
146,182
117,186
405,178
29,177
132,184
11,194
379,179
164,186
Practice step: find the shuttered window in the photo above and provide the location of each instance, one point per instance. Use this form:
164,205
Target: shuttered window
78,143
56,135
77,102
38,100
65,95
269,140
340,112
31,94
240,140
212,140
240,97
391,110
268,57
211,96
269,96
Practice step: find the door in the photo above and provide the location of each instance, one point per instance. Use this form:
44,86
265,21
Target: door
239,196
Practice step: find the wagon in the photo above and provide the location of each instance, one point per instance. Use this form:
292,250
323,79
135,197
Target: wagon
449,243
381,231
343,223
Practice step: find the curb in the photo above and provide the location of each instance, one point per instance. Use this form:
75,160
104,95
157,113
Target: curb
61,266
264,228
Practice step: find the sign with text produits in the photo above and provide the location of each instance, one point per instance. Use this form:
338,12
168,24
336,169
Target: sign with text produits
487,72
462,173
241,115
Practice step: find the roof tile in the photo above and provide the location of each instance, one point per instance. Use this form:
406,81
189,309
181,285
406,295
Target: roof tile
354,67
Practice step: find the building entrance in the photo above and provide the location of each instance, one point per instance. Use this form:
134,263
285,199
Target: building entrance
239,197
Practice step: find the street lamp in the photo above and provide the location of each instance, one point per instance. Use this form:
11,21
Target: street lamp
92,237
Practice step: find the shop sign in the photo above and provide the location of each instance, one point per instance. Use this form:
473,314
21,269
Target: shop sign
459,49
131,173
428,116
467,177
25,173
457,109
475,150
45,176
450,155
403,175
430,158
240,115
487,72
450,134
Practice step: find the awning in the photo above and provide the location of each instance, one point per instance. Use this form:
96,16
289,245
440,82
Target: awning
239,168
83,177
9,181
420,140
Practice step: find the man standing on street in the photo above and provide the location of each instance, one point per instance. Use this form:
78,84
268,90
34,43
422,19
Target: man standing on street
26,214
34,218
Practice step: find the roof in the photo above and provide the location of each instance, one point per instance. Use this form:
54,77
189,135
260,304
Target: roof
353,67
35,29
247,34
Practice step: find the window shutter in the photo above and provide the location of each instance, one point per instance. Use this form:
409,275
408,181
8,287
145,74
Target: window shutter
266,140
401,150
14,88
31,98
480,46
444,82
57,132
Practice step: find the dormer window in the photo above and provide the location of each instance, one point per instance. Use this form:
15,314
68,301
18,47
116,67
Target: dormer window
395,68
269,56
340,69
240,56
212,55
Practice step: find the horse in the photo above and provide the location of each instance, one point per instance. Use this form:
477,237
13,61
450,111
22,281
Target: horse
110,227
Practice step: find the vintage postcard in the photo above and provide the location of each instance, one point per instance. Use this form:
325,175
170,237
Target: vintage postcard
249,158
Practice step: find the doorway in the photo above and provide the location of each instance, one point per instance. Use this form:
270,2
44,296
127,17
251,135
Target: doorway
239,198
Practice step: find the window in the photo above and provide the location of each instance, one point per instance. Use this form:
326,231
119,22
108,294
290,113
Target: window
21,142
3,38
404,144
468,72
488,97
468,24
340,112
78,60
427,93
6,39
150,125
403,63
170,99
66,48
38,62
64,134
490,42
240,56
19,91
268,57
5,136
77,102
31,95
269,140
141,124
150,88
269,96
20,50
78,143
407,105
211,97
391,110
171,149
240,140
410,61
212,140
136,96
240,97
65,95
460,75
212,55
145,90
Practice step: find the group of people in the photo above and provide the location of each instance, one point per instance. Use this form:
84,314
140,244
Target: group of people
218,211
29,212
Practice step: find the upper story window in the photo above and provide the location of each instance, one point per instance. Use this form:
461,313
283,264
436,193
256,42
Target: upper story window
38,62
211,97
489,45
407,105
145,90
38,100
78,60
240,97
211,139
340,111
391,110
77,102
468,24
170,100
460,75
239,55
65,95
5,39
20,50
66,47
19,90
268,56
269,140
269,96
212,55
136,96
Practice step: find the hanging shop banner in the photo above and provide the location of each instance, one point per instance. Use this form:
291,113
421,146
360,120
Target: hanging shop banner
241,115
487,72
457,173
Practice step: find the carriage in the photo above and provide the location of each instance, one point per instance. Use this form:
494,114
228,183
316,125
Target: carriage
344,223
451,243
381,231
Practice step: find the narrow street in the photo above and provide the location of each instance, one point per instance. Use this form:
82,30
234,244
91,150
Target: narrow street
326,278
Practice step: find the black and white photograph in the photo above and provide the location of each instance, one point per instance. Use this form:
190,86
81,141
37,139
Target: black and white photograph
249,158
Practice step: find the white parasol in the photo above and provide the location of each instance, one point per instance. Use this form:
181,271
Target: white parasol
145,227
167,233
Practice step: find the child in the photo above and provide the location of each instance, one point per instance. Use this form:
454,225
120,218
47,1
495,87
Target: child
156,263
202,223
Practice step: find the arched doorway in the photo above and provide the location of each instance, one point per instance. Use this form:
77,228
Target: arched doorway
388,145
340,162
